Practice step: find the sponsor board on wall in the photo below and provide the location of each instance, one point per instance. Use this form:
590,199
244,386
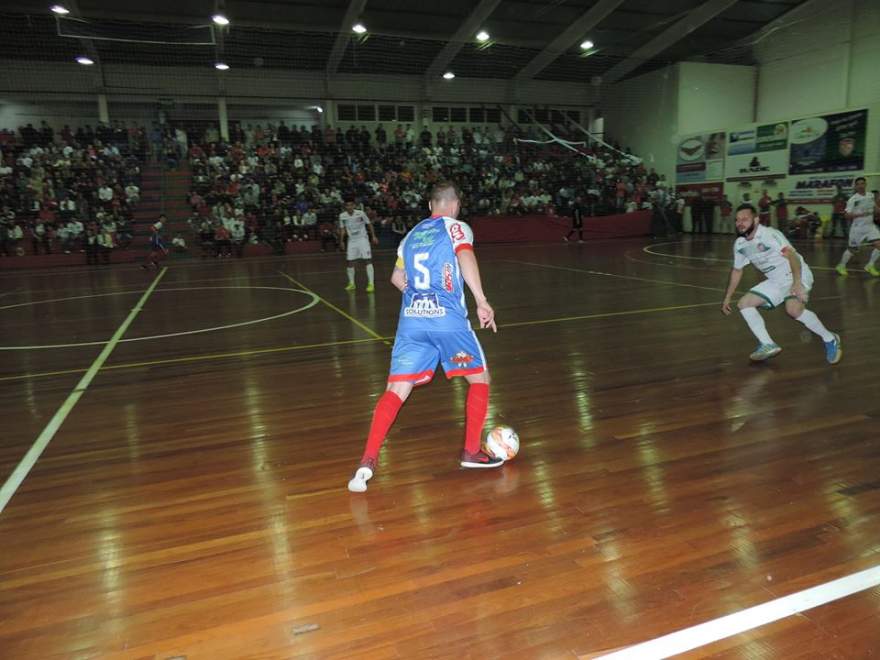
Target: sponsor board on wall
701,158
819,188
688,191
758,153
829,143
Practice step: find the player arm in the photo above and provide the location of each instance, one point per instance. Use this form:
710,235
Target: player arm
793,259
398,278
735,278
372,231
470,271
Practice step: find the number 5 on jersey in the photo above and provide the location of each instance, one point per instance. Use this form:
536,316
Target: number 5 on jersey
423,276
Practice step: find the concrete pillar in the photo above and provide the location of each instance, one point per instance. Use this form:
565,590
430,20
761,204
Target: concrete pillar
224,118
103,112
329,116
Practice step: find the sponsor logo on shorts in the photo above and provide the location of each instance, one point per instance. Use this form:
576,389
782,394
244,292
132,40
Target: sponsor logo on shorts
447,278
462,359
424,305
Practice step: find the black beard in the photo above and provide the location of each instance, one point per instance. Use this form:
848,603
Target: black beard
744,234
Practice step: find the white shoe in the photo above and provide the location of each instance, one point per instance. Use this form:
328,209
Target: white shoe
358,483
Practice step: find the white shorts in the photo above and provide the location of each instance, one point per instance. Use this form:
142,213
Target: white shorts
777,292
863,232
358,249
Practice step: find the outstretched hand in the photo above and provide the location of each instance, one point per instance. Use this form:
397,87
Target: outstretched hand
486,315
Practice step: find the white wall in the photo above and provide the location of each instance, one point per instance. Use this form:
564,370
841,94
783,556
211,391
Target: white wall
642,114
714,95
828,61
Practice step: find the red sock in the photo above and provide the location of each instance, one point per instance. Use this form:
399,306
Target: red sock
475,415
383,417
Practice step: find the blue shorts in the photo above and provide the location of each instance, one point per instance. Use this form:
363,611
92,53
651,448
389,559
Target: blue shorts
416,354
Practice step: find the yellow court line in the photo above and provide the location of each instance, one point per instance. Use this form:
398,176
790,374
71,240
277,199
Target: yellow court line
363,327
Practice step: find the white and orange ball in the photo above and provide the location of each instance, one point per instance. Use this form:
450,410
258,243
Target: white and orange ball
501,442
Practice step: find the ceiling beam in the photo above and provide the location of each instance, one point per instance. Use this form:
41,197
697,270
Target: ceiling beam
676,32
572,35
463,34
799,13
91,50
355,7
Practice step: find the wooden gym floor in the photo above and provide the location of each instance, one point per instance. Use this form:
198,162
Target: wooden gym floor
192,502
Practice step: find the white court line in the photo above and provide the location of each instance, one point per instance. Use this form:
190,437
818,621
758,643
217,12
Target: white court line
753,617
183,333
30,459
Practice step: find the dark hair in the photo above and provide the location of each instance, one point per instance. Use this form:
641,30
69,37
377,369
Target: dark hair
743,207
860,178
445,191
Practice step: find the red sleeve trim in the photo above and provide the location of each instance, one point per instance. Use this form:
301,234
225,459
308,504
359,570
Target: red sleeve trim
464,246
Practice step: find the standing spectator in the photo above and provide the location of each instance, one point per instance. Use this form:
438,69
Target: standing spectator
40,237
764,209
697,214
398,228
91,246
838,214
781,212
105,244
726,211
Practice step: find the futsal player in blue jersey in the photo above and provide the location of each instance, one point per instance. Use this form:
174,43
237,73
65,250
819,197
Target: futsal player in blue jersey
158,250
434,262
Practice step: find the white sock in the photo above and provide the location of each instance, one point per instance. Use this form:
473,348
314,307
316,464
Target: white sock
847,255
874,256
370,273
756,324
813,324
350,271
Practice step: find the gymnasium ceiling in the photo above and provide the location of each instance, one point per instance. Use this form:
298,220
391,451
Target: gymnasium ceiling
537,39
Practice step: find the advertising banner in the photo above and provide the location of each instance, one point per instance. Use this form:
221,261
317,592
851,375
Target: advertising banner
713,191
819,189
830,143
758,153
701,158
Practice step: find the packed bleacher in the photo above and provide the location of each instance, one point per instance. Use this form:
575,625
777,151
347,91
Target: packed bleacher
279,183
76,191
73,191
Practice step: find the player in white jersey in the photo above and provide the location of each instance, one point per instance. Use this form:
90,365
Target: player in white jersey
357,233
789,280
860,209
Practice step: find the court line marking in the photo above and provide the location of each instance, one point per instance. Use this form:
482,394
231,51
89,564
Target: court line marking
33,454
362,326
710,632
623,277
649,310
647,250
183,333
297,347
197,358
